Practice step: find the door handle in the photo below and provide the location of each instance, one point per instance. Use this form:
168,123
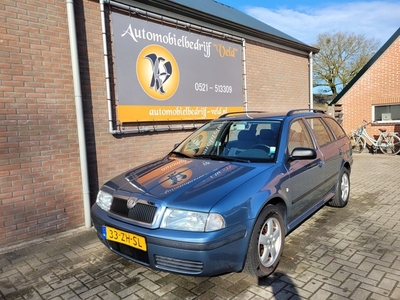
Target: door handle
315,164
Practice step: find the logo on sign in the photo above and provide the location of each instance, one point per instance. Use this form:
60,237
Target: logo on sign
157,72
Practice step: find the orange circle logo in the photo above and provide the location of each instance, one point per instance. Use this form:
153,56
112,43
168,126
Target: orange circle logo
196,145
157,72
176,178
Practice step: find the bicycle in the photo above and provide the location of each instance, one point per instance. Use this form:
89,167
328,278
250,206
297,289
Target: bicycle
387,142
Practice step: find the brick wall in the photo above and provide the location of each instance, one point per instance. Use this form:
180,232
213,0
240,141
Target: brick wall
276,80
378,85
40,180
40,177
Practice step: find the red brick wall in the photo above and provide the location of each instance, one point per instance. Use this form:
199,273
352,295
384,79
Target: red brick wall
276,80
40,179
378,85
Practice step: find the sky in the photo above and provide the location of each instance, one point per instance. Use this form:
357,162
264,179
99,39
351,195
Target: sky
305,19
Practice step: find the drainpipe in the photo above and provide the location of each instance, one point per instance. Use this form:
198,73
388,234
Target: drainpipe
311,80
79,111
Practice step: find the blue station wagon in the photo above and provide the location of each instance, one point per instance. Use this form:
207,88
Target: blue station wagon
225,198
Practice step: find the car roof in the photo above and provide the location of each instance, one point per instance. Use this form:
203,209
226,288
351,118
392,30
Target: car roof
258,115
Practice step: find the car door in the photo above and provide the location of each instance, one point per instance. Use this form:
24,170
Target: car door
304,187
331,150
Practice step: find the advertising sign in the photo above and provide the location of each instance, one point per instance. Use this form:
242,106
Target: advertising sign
165,73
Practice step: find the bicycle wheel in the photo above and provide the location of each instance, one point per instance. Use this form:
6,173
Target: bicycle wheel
358,143
390,145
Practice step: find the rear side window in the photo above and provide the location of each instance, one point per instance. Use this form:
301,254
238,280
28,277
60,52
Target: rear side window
321,132
336,128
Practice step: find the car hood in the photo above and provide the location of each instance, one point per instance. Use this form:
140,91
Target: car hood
185,182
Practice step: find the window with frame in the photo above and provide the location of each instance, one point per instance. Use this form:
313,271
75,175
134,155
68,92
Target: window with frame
337,130
321,132
386,113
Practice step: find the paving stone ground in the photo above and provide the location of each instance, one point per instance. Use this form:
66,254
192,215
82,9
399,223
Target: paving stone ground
348,253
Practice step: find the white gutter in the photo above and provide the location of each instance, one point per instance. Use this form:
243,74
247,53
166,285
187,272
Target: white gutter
244,75
311,80
106,67
151,15
79,111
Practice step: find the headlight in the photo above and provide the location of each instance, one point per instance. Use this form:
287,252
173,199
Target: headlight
104,200
192,220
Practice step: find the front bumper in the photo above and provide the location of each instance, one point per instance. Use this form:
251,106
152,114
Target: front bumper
190,253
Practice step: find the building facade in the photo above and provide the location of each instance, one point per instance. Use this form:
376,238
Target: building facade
51,164
373,94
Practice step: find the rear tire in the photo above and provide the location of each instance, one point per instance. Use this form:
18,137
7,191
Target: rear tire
266,243
394,145
342,190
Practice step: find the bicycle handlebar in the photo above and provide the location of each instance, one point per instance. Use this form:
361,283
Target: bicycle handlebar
367,123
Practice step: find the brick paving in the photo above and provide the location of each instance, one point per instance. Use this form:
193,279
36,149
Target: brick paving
349,253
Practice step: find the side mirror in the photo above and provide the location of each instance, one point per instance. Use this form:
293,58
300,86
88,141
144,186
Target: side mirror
302,154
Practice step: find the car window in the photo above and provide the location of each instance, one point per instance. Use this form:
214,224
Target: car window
299,136
254,140
336,128
321,132
203,141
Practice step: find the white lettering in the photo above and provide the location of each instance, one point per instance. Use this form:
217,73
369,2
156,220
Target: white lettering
130,33
168,39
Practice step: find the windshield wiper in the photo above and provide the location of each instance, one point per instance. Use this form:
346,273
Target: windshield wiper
177,153
219,157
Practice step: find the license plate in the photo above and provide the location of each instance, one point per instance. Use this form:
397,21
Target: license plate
125,238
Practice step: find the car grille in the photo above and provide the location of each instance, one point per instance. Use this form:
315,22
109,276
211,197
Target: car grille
178,265
130,252
143,211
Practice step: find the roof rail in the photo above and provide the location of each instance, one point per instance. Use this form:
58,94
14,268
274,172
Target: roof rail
240,112
293,111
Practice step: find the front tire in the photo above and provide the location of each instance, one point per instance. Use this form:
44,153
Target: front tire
342,191
358,144
266,243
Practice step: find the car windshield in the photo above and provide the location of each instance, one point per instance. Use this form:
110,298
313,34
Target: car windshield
253,141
